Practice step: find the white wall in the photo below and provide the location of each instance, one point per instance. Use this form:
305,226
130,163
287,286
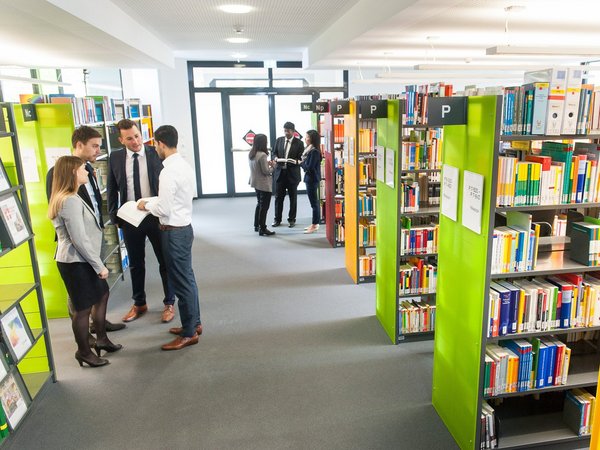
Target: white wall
168,93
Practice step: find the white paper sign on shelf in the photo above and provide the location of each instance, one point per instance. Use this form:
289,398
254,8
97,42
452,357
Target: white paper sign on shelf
450,179
380,172
30,169
53,153
390,165
472,201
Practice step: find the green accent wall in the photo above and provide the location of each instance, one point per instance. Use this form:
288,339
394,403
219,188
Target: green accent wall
463,278
388,135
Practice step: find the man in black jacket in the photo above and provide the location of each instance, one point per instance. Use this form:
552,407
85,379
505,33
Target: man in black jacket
287,152
133,174
86,143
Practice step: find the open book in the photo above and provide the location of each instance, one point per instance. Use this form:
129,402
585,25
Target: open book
130,212
286,160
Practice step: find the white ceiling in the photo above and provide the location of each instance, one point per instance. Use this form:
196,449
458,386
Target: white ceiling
324,33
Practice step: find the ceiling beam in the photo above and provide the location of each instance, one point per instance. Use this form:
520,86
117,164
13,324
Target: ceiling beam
107,26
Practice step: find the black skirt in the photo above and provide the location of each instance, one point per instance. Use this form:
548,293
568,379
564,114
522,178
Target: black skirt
83,285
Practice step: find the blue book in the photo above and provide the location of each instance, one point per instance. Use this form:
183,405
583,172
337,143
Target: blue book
566,290
504,307
551,363
540,106
515,294
540,373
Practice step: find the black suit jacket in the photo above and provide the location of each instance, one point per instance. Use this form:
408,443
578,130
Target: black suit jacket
296,149
117,178
82,192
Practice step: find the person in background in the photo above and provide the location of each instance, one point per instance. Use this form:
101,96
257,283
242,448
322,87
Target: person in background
311,163
78,259
286,153
133,174
261,179
86,143
173,207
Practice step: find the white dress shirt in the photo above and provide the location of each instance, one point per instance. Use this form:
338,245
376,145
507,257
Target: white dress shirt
144,180
90,191
173,206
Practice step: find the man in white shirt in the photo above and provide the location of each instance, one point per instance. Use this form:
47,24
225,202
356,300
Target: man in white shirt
173,207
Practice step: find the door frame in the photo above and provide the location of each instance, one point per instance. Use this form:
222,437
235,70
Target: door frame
270,91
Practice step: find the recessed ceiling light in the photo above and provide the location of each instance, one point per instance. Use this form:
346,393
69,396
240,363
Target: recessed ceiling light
238,40
236,9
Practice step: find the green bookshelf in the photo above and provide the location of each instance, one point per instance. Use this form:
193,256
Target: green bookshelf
21,293
529,418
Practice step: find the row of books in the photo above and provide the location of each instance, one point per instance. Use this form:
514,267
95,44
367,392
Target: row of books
515,246
367,136
417,97
541,304
429,191
488,427
366,233
552,102
578,411
367,204
423,150
339,207
340,232
417,277
419,240
338,130
367,171
416,316
585,242
520,365
366,265
561,174
409,195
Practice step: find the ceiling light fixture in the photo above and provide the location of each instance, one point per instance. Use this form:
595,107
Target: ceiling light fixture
236,9
238,40
545,51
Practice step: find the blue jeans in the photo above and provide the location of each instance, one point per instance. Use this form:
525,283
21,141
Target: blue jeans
177,250
312,190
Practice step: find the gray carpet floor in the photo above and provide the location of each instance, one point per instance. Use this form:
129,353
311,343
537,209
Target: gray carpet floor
292,357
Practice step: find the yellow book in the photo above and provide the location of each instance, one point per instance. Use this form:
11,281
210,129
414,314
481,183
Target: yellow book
521,311
536,170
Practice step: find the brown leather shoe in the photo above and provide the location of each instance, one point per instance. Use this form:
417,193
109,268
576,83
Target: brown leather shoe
180,342
135,313
168,313
178,330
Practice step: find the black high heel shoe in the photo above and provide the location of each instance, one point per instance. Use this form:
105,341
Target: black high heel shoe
110,347
92,360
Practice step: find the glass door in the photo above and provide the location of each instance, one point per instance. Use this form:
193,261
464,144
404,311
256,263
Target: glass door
248,113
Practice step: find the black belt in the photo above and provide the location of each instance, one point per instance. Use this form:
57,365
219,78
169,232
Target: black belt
170,227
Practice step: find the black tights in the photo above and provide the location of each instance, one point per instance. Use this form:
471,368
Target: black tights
80,322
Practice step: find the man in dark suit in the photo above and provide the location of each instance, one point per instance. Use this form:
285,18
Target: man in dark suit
86,143
287,174
132,175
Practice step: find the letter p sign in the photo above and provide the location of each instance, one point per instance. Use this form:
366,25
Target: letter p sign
445,110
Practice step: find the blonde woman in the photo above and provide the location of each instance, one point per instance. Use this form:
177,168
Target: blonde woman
78,258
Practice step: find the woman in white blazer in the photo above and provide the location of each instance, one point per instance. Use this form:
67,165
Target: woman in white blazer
78,258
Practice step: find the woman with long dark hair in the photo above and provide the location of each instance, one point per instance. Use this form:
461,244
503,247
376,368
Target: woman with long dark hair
261,179
79,239
311,163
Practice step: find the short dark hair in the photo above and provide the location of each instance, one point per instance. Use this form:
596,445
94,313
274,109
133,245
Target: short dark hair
83,134
126,124
289,126
166,134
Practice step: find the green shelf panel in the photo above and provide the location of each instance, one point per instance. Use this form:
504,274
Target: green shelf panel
388,135
35,381
463,253
53,128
